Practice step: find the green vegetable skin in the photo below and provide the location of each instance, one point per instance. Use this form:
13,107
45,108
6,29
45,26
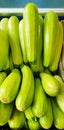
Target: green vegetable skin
60,82
11,65
37,43
4,26
29,113
10,86
17,119
39,106
32,119
31,23
60,100
50,33
37,65
58,48
5,112
13,32
22,40
50,85
33,125
60,96
4,49
26,92
2,77
46,121
58,115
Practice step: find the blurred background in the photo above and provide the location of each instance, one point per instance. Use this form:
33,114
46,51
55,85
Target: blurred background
40,3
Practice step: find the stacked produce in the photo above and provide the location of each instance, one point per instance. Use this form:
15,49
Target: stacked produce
31,90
